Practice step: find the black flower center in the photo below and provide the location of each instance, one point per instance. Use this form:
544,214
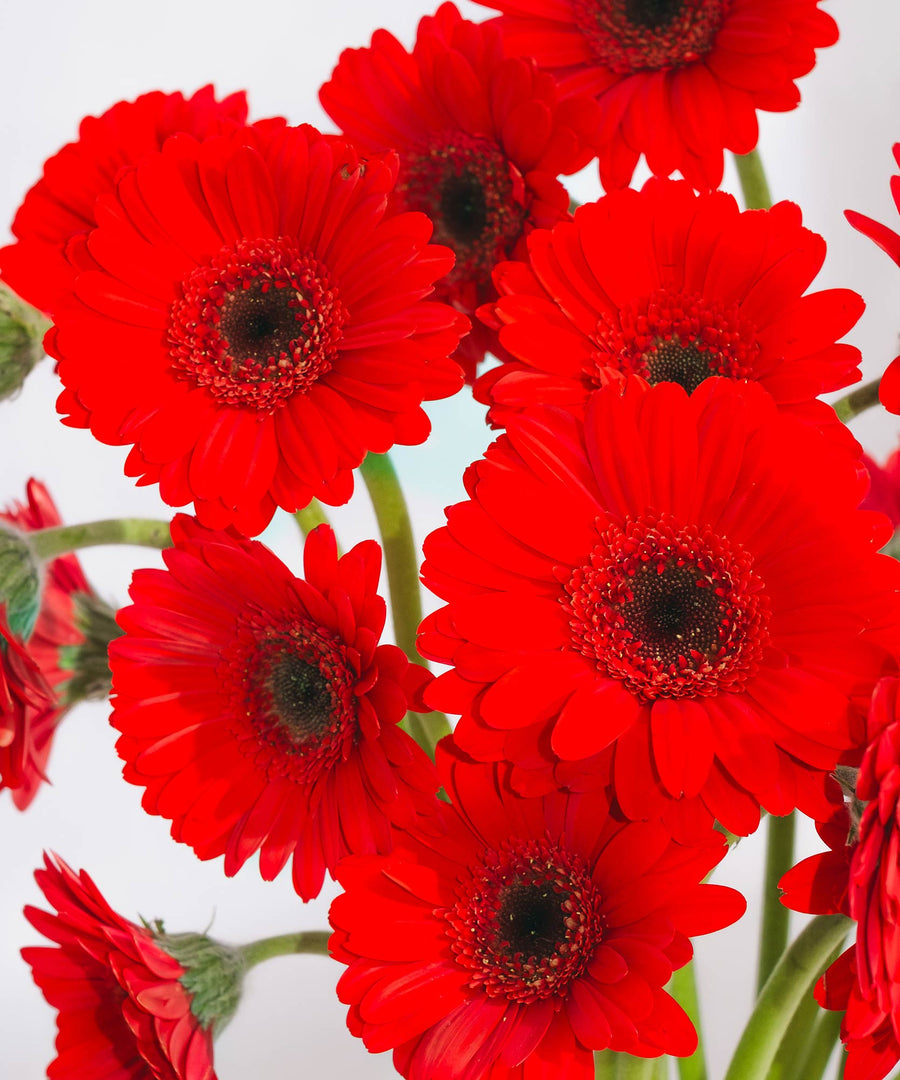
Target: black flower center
653,14
682,364
301,696
531,919
673,612
463,207
258,322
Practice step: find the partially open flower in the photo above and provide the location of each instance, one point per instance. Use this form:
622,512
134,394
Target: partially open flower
125,1011
258,709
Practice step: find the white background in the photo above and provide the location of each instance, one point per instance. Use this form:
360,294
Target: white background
62,60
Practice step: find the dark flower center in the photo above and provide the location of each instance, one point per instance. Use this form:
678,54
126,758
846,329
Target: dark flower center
301,696
474,196
672,610
257,325
646,35
675,337
527,921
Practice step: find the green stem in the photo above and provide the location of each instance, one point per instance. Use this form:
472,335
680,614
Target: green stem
401,561
773,937
857,401
793,977
753,181
825,1033
605,1065
310,517
307,941
683,988
142,532
635,1068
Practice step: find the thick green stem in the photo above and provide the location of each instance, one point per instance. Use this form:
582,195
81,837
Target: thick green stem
635,1068
605,1065
823,1039
401,560
793,977
683,988
307,941
310,517
142,532
857,401
753,181
773,937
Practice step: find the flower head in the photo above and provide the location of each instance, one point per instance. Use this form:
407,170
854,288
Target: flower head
124,1012
481,137
60,208
35,672
529,933
674,287
273,316
678,80
258,709
667,586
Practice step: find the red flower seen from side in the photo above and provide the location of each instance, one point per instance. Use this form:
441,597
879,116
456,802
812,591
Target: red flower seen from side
60,206
274,319
686,610
34,673
889,242
675,287
258,709
123,1011
678,80
481,136
528,934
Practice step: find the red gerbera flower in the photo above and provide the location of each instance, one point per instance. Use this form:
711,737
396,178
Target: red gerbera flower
889,242
685,579
124,1013
532,932
678,80
32,713
273,319
481,137
259,710
672,286
60,206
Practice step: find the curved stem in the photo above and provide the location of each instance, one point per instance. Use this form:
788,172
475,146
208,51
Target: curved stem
857,401
142,532
773,936
683,988
307,941
793,976
310,517
823,1039
753,181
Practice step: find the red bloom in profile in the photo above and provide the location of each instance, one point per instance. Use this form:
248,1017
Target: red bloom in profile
527,935
259,710
671,286
678,81
889,242
60,206
123,1011
34,672
273,319
481,136
669,582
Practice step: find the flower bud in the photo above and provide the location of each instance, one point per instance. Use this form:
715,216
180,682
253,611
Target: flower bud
22,330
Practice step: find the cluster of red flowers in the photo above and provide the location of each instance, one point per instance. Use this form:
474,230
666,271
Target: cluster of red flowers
664,608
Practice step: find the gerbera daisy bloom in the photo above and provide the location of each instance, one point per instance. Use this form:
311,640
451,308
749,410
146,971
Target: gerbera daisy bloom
258,709
675,287
529,934
683,581
678,80
273,317
124,1011
889,242
857,877
481,137
31,725
60,206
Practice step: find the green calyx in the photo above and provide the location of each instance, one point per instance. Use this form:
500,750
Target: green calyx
213,976
88,661
20,581
22,330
